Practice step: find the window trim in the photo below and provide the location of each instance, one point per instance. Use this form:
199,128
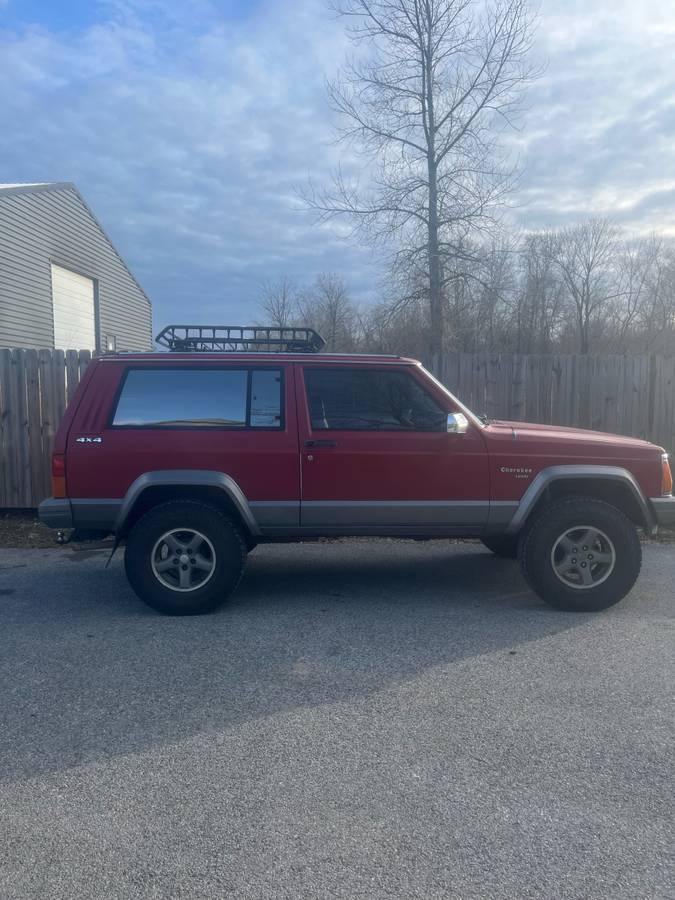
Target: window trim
399,369
110,424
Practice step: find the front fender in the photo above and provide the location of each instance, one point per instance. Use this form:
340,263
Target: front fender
549,476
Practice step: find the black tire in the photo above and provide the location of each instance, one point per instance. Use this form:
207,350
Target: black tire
543,549
218,560
504,545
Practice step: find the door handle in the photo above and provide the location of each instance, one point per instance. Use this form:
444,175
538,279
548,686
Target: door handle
320,443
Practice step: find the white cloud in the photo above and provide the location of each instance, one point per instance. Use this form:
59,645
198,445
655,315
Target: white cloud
598,138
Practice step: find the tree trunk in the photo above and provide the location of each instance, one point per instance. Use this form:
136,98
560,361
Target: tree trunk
436,319
435,293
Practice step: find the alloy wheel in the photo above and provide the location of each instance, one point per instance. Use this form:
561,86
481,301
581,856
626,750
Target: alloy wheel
583,557
183,559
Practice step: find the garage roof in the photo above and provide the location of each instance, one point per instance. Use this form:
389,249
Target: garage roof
28,187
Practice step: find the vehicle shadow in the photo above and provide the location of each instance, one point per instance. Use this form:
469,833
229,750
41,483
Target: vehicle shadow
90,673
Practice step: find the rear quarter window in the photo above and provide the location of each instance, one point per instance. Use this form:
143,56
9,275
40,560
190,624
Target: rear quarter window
199,398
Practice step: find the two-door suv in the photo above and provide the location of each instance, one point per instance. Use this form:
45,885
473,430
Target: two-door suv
244,435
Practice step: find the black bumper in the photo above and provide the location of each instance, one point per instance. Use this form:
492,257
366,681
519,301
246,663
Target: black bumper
56,513
664,511
85,514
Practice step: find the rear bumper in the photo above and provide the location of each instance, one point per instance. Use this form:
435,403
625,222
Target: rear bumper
56,513
96,515
664,510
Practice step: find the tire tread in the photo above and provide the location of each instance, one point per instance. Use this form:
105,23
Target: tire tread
147,523
570,599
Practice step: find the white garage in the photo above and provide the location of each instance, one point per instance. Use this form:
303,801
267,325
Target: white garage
63,285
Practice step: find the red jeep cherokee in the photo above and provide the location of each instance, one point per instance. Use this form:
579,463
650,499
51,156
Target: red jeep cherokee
240,436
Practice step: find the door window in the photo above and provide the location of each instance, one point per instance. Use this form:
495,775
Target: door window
370,400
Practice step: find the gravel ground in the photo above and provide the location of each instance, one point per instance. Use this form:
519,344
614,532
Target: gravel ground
21,528
364,719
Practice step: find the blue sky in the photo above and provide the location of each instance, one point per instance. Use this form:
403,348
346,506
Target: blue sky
189,126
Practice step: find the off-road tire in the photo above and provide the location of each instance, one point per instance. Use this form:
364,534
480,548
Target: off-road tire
537,545
504,545
228,558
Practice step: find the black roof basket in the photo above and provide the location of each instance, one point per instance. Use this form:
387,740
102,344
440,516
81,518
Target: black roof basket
232,338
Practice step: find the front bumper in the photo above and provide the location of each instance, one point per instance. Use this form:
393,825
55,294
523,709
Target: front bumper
56,513
664,511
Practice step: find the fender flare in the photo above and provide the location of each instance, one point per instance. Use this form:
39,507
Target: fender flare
189,478
548,476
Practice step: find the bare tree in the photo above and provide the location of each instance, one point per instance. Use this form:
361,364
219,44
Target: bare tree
585,255
655,323
636,262
426,102
278,302
327,308
538,306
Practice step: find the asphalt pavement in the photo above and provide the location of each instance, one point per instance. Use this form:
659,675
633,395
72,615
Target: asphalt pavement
363,719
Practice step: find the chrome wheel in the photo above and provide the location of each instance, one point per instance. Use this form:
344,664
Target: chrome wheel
583,557
183,559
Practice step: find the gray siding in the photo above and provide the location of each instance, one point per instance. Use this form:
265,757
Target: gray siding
42,226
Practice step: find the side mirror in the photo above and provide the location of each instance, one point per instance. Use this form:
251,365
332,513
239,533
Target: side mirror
457,423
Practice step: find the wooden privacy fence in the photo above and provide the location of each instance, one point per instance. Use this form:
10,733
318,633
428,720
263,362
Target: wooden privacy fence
633,395
35,386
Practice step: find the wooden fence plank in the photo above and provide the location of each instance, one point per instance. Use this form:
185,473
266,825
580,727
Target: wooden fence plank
49,415
34,424
18,432
83,359
5,453
72,373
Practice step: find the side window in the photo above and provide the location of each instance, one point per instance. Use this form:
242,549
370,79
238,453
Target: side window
199,398
265,398
370,400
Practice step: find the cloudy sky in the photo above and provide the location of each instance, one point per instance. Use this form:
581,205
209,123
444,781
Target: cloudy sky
188,127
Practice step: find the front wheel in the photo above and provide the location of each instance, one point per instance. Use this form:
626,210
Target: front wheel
581,555
184,558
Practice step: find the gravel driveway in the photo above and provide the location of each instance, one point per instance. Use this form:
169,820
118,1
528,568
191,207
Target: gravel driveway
364,719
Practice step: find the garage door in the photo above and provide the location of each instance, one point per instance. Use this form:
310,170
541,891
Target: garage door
74,316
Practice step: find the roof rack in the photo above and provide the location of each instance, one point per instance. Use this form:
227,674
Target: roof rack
247,338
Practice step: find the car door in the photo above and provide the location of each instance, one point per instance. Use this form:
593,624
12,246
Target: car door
376,456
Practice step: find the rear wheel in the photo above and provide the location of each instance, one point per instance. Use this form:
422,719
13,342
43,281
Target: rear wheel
184,558
581,555
504,545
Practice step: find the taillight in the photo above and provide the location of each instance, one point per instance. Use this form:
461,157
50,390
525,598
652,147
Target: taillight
58,475
666,476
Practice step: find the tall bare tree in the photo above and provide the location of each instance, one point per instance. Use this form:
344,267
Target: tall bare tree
585,255
426,101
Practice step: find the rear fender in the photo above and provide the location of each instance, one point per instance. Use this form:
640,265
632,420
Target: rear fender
187,478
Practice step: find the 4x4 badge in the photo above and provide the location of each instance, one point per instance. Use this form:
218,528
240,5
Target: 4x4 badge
88,440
